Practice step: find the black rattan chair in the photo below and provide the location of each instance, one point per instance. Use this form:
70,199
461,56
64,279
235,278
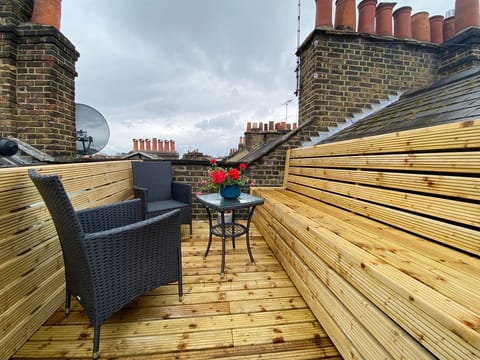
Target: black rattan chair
152,182
111,255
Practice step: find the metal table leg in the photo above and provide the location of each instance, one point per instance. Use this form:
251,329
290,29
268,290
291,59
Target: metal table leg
247,235
222,271
210,235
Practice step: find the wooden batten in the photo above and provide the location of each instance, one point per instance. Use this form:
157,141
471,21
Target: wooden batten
459,135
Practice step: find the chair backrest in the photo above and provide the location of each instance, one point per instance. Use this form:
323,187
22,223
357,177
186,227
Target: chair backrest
156,176
67,225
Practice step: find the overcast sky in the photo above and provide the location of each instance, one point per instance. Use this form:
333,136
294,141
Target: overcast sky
194,71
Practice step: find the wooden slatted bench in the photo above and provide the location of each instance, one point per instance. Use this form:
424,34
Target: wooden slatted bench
381,235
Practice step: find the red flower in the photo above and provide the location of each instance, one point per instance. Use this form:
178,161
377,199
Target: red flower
218,176
233,174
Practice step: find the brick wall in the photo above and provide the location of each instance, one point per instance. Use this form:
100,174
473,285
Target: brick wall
37,68
268,171
461,52
15,12
341,73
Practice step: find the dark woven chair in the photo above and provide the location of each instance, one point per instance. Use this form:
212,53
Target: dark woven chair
111,255
152,182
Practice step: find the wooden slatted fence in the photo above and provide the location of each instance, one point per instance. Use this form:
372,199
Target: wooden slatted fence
381,235
31,265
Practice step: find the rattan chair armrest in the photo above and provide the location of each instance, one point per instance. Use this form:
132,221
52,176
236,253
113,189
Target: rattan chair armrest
110,216
171,218
142,194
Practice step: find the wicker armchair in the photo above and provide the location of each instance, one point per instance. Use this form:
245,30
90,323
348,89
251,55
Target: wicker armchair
152,182
111,255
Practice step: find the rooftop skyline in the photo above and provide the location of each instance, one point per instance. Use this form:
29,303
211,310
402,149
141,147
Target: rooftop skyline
192,71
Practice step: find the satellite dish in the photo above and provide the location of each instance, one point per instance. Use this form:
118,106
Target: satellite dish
92,130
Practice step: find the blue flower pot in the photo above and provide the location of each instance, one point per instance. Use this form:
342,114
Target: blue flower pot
230,192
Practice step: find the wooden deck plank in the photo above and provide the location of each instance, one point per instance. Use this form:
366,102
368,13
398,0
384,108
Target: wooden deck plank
254,311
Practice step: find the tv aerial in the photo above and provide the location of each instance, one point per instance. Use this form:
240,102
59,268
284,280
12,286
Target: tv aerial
92,130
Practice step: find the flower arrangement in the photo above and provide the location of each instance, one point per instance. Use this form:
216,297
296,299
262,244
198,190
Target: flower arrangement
218,176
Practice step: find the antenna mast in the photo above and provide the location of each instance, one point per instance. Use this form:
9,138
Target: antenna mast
298,25
297,70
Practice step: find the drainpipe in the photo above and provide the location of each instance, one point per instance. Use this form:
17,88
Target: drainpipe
402,22
47,12
421,26
323,14
345,15
366,16
436,29
466,14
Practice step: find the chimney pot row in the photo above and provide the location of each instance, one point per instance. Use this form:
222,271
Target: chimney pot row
153,145
271,126
378,19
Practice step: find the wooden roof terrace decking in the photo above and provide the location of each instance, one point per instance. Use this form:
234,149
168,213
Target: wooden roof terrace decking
253,312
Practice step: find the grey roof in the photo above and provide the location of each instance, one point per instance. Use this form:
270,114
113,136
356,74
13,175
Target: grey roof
26,155
452,99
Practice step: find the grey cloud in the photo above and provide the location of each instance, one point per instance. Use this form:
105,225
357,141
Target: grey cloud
175,68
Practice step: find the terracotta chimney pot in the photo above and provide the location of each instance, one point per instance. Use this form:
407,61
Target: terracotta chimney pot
249,126
466,14
448,28
271,125
166,146
47,12
323,14
421,26
160,145
154,145
436,29
402,22
366,16
147,145
383,19
172,145
142,145
135,144
345,15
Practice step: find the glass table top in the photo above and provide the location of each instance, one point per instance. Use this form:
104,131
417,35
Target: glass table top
216,201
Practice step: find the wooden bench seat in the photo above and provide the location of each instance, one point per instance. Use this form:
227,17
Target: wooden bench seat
381,236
